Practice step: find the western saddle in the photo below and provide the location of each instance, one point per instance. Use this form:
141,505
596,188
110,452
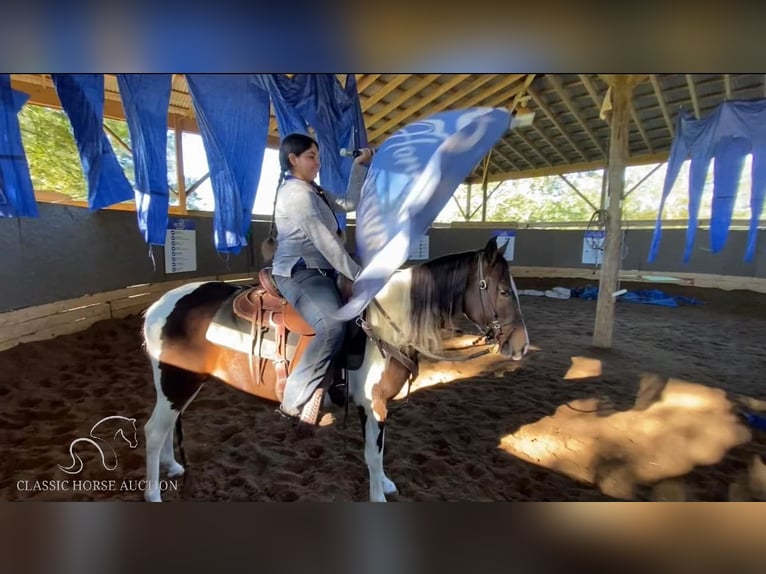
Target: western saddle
265,308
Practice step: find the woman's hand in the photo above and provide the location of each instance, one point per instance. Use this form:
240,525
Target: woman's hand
364,157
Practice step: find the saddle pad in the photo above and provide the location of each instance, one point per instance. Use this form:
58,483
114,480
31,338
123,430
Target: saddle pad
230,331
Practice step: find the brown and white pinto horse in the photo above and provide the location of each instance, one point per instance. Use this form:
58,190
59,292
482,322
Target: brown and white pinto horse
406,321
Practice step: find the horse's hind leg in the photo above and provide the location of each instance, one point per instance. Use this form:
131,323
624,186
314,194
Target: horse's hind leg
175,390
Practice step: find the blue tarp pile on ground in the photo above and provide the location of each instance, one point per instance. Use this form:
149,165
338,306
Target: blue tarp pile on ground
647,296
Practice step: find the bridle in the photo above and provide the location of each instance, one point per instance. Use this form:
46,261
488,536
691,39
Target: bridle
492,329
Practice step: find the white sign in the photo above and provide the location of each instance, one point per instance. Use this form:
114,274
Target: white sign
506,237
180,246
593,247
419,248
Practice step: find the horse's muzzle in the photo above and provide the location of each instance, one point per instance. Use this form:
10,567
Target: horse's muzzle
516,345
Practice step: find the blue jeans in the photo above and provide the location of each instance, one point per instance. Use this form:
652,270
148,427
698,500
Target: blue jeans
314,294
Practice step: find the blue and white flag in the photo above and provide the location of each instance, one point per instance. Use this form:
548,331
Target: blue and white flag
411,178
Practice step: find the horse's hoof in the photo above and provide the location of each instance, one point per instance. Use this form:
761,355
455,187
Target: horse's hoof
152,496
175,470
389,487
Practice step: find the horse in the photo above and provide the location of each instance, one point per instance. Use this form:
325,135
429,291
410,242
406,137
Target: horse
406,320
126,430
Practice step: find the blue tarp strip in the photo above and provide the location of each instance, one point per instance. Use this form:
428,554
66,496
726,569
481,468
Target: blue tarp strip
332,110
145,98
233,117
646,296
17,197
733,130
82,97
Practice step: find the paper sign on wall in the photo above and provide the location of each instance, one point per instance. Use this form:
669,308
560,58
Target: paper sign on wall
419,248
180,246
506,237
593,247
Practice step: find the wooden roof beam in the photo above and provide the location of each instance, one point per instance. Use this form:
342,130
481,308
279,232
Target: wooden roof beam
550,143
659,157
727,85
661,100
641,130
403,97
591,89
377,131
693,93
541,104
493,89
527,141
518,153
384,90
559,88
495,150
514,93
366,81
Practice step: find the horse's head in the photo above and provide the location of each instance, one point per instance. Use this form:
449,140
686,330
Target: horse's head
125,428
491,303
128,432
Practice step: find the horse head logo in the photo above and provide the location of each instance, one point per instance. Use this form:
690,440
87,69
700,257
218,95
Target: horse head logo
126,430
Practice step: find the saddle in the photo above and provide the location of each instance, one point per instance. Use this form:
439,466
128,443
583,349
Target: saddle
264,307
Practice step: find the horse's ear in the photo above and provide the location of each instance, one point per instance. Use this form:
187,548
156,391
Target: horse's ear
491,251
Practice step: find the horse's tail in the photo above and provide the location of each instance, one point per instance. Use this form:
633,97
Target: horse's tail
180,435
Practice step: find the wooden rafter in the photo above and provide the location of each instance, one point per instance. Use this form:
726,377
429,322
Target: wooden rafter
366,81
402,98
514,93
377,131
693,94
551,116
550,143
495,150
510,146
554,81
658,157
384,90
727,85
661,101
527,141
490,90
591,89
637,121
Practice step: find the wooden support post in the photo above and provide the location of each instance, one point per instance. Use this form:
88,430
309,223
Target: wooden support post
622,88
468,204
484,182
180,177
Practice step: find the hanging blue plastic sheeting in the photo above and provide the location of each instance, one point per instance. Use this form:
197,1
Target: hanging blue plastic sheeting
233,118
412,176
17,196
289,119
735,129
145,98
332,110
82,97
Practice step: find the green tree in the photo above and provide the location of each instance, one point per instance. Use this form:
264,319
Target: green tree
54,163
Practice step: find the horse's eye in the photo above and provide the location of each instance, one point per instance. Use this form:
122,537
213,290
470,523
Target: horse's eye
505,293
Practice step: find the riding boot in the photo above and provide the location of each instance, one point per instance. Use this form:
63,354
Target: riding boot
309,418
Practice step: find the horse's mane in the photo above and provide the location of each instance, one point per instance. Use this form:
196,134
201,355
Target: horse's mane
423,299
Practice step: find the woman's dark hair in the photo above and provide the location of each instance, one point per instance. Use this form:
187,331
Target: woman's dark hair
293,143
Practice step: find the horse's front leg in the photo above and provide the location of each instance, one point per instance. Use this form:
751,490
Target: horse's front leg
374,415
